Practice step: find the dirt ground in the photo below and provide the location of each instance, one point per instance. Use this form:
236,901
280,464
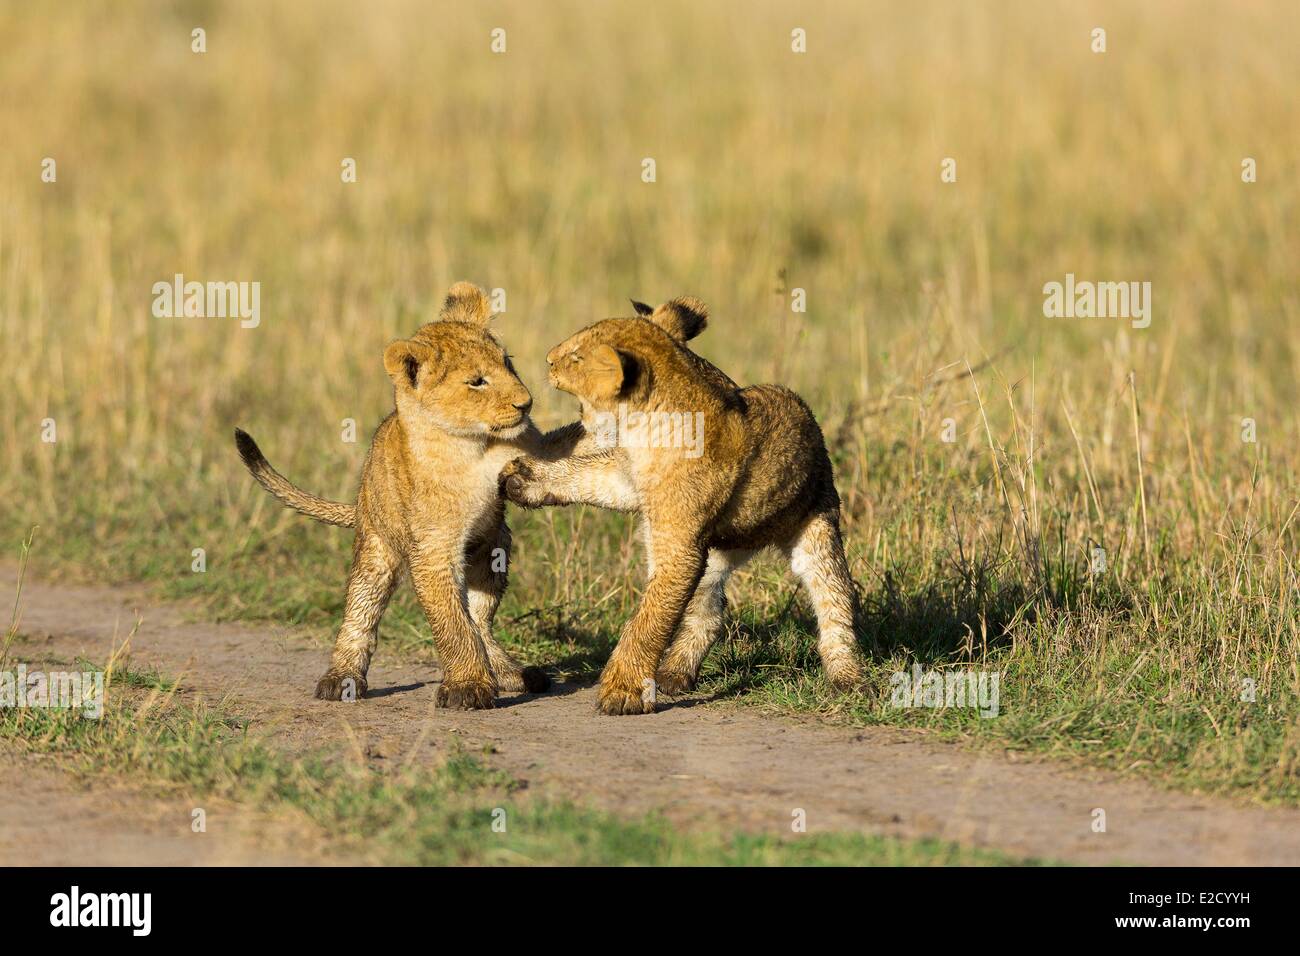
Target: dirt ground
702,764
48,819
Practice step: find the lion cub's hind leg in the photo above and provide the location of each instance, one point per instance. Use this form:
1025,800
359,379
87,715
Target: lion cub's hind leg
701,625
375,566
485,581
817,557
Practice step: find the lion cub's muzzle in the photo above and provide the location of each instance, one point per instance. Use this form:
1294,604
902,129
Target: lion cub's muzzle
523,406
559,382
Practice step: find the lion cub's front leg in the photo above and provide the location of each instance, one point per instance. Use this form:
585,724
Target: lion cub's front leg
599,479
627,684
468,682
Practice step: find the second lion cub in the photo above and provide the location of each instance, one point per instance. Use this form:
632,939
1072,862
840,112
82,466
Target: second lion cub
758,475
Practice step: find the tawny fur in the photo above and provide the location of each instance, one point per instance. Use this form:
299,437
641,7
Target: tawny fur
763,478
429,502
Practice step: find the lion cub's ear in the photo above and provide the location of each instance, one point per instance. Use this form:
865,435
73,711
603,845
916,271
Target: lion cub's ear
403,360
466,302
604,372
683,318
641,308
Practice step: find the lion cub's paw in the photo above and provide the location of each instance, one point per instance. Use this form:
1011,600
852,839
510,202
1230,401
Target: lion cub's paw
847,677
513,481
528,680
849,685
466,695
536,680
335,685
616,699
519,482
674,683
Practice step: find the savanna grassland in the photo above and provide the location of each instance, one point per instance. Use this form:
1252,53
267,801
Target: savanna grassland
775,172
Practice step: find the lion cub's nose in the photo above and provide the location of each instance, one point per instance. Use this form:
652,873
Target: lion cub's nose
525,406
551,356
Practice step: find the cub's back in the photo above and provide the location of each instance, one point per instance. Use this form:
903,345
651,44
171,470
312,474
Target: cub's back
787,471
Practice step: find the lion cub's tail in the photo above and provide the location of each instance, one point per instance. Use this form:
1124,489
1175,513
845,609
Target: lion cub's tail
331,512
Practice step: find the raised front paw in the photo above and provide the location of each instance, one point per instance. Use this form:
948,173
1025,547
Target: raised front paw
617,695
520,483
514,478
337,685
466,695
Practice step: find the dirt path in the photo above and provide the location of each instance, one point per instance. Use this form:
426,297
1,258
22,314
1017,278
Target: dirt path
707,766
47,819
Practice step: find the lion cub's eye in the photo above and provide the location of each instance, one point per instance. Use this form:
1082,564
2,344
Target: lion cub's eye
477,382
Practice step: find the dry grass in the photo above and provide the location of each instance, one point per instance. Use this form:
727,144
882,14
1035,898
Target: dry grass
775,171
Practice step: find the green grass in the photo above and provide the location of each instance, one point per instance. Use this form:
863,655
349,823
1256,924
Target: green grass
438,815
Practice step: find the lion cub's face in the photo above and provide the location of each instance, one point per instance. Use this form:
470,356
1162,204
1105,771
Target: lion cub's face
588,366
457,375
603,363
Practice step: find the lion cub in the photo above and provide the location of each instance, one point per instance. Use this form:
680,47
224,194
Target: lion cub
429,502
757,475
